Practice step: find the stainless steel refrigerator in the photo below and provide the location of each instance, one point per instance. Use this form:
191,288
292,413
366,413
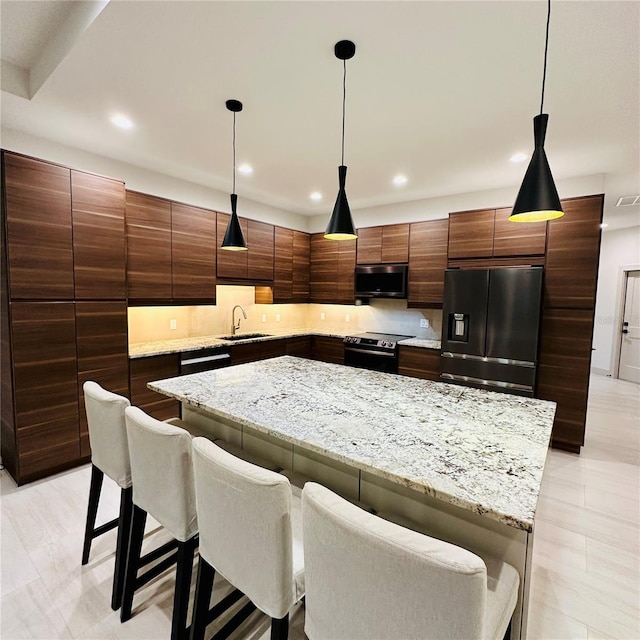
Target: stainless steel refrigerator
490,326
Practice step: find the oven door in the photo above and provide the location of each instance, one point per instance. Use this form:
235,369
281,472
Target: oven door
371,358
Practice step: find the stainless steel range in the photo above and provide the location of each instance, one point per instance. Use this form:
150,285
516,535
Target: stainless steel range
377,351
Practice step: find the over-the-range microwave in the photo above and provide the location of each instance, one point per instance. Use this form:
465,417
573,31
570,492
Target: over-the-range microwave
381,281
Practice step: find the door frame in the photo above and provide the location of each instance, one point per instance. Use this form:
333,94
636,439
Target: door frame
623,273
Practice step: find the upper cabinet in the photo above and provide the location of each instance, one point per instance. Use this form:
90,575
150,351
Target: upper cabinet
37,198
331,270
427,262
377,245
99,252
301,257
291,266
488,233
254,264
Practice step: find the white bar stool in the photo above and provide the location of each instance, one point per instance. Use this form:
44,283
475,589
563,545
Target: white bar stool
370,578
109,456
250,532
162,474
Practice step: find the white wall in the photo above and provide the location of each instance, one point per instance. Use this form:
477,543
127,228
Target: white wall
619,249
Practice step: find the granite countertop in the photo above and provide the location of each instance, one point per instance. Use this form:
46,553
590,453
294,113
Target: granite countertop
479,450
161,347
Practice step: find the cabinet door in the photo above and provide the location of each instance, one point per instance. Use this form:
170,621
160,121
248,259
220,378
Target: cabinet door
369,245
573,251
323,267
419,363
148,247
563,371
300,347
231,264
193,253
260,254
45,387
300,266
99,251
471,234
327,349
345,284
283,267
395,243
144,370
241,353
518,238
427,263
39,233
101,336
273,348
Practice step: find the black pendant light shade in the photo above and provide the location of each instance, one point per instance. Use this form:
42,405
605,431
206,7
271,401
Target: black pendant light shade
341,225
233,237
538,198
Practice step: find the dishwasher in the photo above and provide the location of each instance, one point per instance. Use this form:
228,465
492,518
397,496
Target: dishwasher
204,360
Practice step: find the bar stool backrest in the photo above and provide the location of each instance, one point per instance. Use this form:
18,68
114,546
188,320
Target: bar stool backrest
162,472
107,432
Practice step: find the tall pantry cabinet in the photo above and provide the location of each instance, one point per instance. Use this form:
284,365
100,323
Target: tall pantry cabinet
63,308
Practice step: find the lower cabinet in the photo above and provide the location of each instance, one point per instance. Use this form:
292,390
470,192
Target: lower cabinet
327,349
300,347
253,351
144,370
419,363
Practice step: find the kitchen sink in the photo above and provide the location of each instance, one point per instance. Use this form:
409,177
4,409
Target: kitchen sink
244,336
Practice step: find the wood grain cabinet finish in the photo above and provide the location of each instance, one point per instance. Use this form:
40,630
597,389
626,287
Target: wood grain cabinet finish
419,363
101,339
39,229
518,238
427,262
301,251
471,234
346,272
299,346
99,252
327,349
241,353
323,272
573,250
148,224
144,370
384,244
261,248
193,253
283,266
45,387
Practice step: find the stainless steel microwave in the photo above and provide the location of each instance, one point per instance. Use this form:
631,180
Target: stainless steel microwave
381,281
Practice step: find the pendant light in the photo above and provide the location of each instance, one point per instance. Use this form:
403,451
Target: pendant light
234,238
538,198
341,225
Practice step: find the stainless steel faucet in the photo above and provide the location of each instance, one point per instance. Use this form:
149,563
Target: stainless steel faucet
234,326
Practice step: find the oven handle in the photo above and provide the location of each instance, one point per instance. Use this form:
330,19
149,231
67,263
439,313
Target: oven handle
384,354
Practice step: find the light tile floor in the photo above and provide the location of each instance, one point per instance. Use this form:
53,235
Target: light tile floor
586,562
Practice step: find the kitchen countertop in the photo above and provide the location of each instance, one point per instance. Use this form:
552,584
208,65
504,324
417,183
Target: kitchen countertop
162,347
479,450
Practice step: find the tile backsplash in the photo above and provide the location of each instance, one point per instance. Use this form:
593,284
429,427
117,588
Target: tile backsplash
150,324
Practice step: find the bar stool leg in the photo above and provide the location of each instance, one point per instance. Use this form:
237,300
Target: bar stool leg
184,566
280,628
204,587
138,521
122,546
92,510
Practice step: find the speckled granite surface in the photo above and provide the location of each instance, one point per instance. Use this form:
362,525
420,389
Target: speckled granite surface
143,349
480,450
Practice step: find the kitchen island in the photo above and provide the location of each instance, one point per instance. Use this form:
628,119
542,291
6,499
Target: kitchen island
465,464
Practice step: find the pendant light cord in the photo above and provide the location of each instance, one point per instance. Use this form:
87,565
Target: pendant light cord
546,46
234,152
344,102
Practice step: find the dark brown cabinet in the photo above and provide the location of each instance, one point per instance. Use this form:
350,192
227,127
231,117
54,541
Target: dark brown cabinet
300,347
301,251
327,349
283,267
331,270
389,243
518,238
101,339
99,253
144,370
427,262
253,351
419,363
37,197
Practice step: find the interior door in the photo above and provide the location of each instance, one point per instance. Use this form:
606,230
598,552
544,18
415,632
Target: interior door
630,343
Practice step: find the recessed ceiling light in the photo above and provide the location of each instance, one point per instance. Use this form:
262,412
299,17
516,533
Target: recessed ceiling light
604,225
316,196
399,180
247,169
122,121
518,157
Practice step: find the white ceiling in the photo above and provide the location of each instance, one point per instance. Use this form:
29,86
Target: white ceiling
444,92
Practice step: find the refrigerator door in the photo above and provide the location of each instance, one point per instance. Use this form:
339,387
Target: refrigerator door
513,314
464,311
